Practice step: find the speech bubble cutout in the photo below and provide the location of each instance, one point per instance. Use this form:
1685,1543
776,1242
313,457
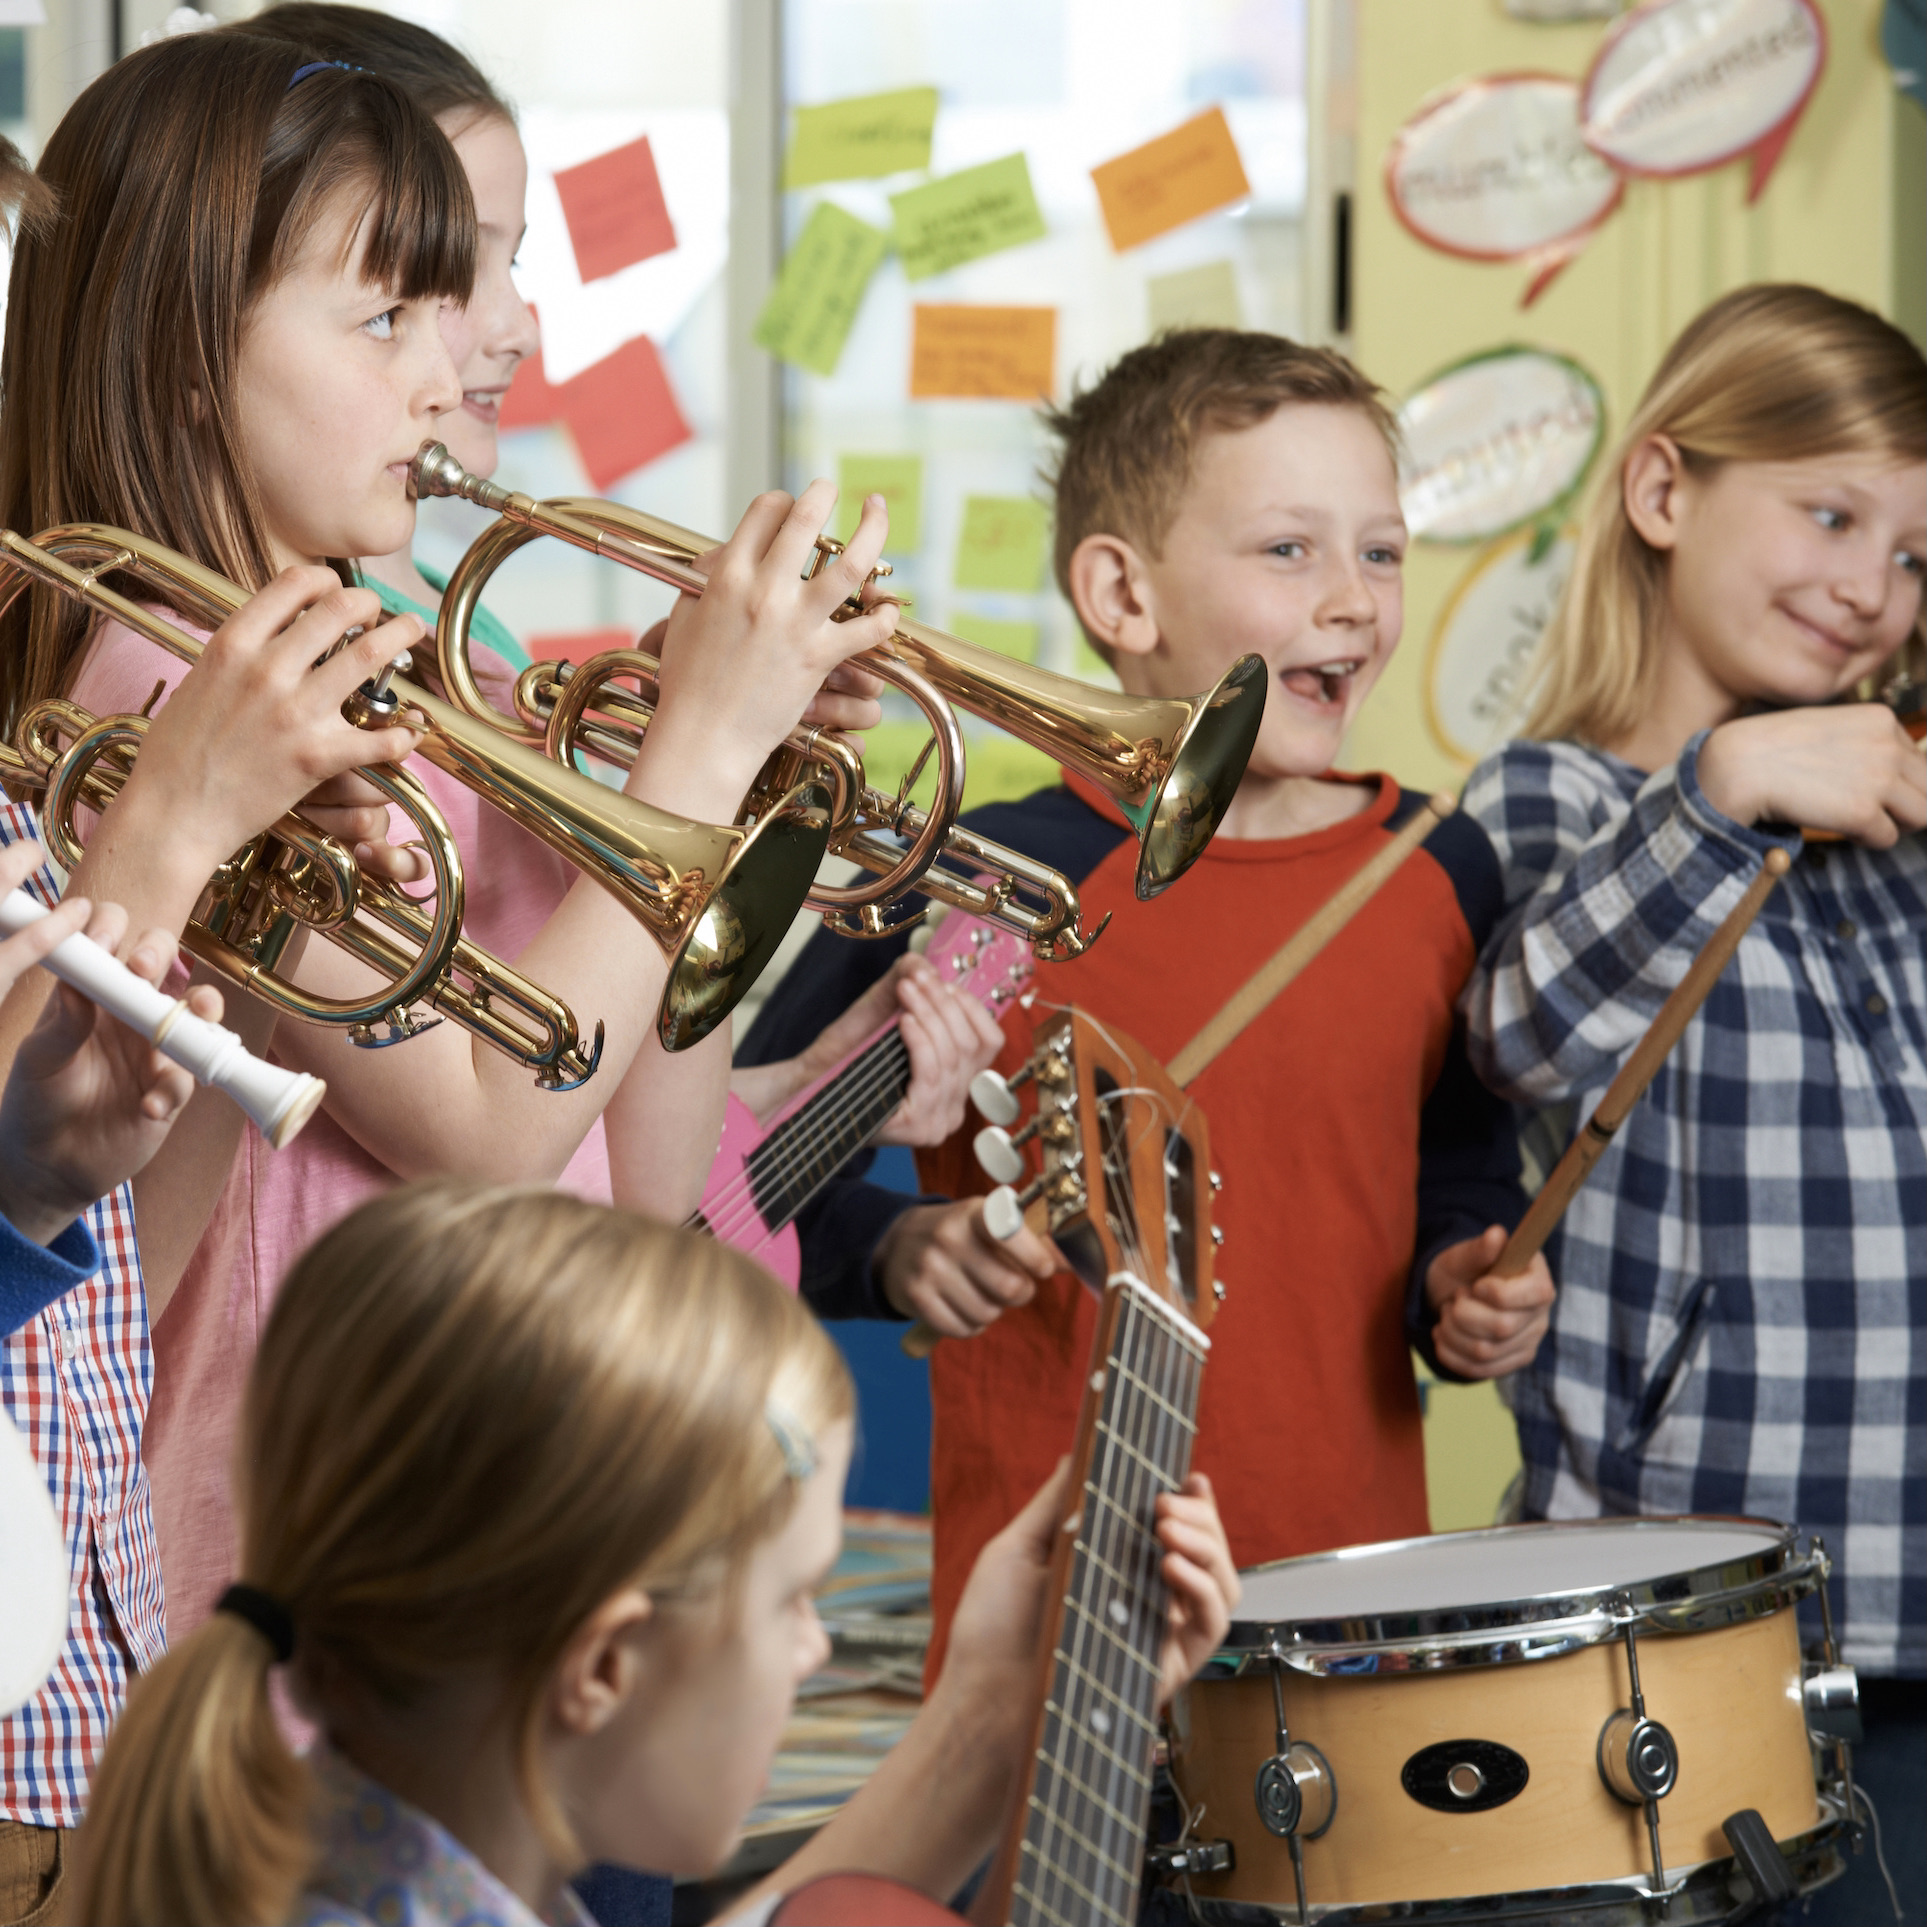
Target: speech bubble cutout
1497,170
1500,439
1681,86
1487,639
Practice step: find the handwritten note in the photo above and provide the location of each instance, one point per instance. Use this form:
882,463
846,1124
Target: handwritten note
996,354
808,315
980,211
1017,639
615,210
1201,297
861,139
1170,180
1003,543
899,480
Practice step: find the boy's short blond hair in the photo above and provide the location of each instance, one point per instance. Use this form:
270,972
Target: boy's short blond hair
1127,445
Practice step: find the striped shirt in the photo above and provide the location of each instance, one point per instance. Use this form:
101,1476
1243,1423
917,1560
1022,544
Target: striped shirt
1742,1318
75,1381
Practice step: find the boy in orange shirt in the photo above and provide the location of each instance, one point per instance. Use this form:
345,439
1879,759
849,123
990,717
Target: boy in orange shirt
1221,493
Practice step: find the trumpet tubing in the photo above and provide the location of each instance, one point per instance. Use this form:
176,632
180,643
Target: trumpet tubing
716,898
1172,765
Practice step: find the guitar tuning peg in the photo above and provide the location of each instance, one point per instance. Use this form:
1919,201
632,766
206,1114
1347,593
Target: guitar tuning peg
1217,1237
1217,1183
1003,1214
992,1096
998,1155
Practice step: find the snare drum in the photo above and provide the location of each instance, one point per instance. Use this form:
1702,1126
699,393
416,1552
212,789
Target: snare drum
1540,1721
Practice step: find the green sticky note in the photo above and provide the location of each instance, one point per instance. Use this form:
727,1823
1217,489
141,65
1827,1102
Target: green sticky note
1017,639
963,216
1003,543
1202,297
899,480
807,318
861,139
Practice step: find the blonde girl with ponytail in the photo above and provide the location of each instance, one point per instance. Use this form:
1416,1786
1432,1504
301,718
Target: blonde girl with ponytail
1743,1303
535,1496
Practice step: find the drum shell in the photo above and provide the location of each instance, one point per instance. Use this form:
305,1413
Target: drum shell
1731,1698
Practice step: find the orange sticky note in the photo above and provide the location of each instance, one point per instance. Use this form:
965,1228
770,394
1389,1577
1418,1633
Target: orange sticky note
1170,180
996,354
532,400
615,210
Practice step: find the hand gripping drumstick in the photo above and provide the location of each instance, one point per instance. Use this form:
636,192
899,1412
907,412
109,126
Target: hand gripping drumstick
279,1101
1639,1070
1003,1216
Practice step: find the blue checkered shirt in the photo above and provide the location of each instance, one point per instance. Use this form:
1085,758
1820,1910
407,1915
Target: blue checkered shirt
1742,1313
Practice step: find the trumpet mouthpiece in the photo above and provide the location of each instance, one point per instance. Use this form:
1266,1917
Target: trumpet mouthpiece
434,471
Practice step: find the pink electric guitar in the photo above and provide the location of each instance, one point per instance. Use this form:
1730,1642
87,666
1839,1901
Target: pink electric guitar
765,1174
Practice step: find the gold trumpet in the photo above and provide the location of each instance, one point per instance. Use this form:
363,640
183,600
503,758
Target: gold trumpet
1172,765
716,898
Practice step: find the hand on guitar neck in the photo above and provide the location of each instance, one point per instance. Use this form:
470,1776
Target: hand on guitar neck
931,1811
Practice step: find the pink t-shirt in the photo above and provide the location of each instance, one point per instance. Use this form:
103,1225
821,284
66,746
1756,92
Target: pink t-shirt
276,1203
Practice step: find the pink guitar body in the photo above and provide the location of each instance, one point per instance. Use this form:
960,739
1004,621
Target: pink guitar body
765,1173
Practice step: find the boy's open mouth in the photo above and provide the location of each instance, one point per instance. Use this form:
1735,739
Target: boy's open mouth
1323,682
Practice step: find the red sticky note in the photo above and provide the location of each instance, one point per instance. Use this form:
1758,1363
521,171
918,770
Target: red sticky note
578,645
622,412
615,210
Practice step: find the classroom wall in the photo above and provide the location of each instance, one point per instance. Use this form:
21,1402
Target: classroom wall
1845,209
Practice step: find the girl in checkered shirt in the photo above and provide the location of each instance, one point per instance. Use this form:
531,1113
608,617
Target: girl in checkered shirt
1743,1321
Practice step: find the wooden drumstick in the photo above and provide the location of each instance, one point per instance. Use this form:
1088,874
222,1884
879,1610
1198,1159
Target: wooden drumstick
1638,1071
1262,989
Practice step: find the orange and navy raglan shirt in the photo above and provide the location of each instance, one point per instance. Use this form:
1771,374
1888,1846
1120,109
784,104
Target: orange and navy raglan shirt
1353,1141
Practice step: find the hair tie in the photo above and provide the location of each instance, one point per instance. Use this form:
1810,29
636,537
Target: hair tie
795,1444
265,1614
321,67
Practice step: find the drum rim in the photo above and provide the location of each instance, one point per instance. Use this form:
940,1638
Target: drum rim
1547,1624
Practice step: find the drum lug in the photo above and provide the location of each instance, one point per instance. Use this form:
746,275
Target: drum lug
1832,1700
1638,1758
1184,1858
1296,1793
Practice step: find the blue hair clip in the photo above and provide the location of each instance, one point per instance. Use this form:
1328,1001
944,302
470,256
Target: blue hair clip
795,1444
321,67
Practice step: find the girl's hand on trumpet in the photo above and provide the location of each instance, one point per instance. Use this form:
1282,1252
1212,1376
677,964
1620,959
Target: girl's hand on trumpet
256,727
87,1102
744,662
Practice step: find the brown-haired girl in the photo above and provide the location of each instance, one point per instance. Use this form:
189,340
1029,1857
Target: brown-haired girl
249,384
535,1497
1743,1321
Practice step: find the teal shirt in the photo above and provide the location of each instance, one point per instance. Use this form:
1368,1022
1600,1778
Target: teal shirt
484,628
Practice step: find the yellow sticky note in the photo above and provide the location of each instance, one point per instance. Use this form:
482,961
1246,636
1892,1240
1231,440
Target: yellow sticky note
1202,297
998,354
1003,543
807,318
1170,180
899,480
1017,639
980,211
861,139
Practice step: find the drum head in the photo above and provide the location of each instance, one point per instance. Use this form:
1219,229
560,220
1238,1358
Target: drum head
1488,1571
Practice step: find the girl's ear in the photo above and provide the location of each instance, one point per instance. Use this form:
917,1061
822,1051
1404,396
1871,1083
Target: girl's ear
601,1664
1111,591
1651,484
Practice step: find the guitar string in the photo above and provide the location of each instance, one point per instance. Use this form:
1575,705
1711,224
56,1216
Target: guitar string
1099,1790
801,1141
742,1184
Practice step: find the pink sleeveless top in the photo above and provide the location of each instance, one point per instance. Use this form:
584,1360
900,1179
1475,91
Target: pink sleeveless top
276,1203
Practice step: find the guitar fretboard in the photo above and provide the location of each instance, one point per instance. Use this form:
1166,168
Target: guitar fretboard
805,1151
1090,1796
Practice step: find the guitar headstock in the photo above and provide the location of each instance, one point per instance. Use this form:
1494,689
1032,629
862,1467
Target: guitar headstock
992,965
1124,1180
